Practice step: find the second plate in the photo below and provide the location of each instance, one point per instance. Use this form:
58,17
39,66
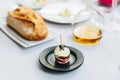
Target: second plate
51,11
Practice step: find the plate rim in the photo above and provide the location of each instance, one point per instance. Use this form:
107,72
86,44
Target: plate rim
47,65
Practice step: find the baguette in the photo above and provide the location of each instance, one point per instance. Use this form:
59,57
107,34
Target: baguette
27,23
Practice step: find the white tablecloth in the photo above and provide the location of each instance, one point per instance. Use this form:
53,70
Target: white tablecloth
101,60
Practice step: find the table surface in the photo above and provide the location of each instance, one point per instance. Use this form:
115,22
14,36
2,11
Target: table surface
101,60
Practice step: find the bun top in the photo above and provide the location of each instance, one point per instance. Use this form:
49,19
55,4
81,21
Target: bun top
65,52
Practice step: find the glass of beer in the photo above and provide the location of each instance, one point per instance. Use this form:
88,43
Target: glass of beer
87,27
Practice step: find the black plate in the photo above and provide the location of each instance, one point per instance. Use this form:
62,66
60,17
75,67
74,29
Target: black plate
46,58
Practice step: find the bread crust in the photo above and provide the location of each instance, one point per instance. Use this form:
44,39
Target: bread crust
27,23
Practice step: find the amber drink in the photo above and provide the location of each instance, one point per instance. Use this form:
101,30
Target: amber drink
87,34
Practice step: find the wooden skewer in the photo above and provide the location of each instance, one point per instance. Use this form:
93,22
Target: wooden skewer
60,39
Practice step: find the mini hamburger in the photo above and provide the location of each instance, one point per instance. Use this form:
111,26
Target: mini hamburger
62,54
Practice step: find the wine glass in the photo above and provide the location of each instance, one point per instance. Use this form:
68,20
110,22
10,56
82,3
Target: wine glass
87,27
110,12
